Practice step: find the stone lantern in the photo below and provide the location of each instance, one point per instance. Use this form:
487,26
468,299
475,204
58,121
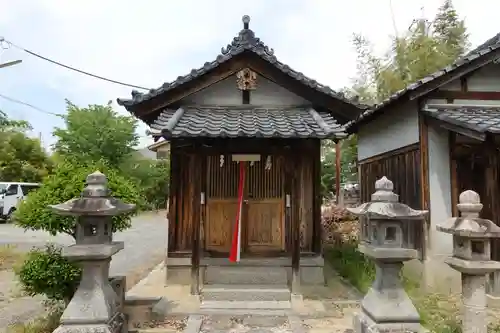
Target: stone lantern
386,306
471,257
94,306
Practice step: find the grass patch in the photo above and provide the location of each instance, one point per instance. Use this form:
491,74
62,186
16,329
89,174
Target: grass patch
10,257
45,324
439,313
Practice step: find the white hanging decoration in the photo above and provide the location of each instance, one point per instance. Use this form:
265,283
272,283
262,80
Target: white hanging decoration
221,159
252,163
268,163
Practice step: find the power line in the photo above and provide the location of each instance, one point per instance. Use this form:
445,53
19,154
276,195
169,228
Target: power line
69,67
13,100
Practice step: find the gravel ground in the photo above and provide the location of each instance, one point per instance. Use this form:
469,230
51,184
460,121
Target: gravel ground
144,249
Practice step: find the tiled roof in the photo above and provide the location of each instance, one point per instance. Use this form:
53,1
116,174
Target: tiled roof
245,41
484,49
482,119
232,122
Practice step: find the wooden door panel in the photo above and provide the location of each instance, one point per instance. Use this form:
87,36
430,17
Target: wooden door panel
221,215
264,225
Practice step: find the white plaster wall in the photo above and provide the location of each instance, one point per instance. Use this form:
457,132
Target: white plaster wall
394,129
485,79
226,92
440,188
438,275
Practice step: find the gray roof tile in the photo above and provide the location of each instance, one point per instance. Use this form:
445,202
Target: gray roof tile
483,119
232,122
245,41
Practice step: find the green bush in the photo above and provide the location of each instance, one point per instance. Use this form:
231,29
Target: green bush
67,182
46,272
351,265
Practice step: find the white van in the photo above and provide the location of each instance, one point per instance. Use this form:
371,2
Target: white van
10,196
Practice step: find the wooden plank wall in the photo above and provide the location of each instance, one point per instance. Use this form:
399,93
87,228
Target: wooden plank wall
306,196
401,166
185,194
303,198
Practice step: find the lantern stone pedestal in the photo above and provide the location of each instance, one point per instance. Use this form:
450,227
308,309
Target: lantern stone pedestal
386,225
471,257
95,306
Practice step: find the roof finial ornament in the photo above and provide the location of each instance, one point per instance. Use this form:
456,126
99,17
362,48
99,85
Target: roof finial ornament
246,21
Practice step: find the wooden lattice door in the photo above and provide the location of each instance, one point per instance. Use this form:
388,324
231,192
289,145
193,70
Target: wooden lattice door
263,208
264,215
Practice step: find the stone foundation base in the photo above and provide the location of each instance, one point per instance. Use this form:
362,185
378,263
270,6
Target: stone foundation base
364,324
311,268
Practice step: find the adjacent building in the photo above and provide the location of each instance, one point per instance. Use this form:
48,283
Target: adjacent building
434,139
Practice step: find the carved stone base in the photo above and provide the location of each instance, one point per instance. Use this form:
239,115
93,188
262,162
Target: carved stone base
364,324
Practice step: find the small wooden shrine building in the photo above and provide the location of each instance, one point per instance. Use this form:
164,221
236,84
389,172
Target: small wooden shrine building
244,133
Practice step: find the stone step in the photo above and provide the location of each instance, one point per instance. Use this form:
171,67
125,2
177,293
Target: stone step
245,305
245,312
157,330
245,275
249,292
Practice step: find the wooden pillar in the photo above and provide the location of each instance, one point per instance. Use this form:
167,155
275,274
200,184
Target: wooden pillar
292,216
424,179
453,175
317,237
195,191
337,170
173,198
492,205
295,224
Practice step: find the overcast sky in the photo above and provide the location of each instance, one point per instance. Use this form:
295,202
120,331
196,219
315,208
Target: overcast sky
152,41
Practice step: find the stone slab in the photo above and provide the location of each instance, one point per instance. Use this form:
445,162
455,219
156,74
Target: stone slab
246,293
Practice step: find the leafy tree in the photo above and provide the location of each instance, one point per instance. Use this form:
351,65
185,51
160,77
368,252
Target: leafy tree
21,158
96,133
348,166
152,177
425,48
67,182
450,31
7,124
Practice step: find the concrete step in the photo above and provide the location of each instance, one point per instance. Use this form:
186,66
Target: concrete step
245,312
245,275
249,292
245,305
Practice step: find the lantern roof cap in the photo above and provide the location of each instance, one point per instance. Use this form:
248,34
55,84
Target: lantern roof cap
469,224
385,204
